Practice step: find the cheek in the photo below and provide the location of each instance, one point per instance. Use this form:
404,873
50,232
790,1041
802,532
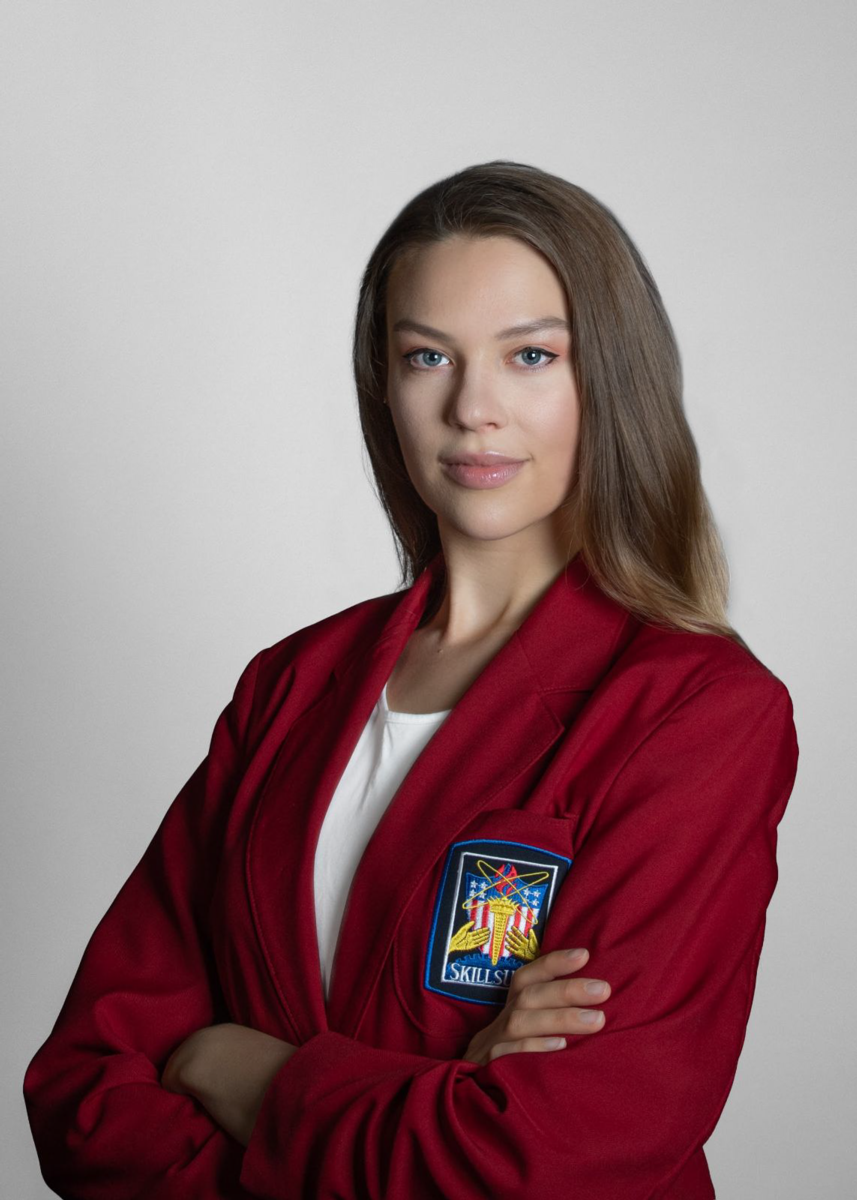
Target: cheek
555,443
556,428
418,449
415,431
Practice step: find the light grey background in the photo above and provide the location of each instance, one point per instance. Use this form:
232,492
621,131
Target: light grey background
190,192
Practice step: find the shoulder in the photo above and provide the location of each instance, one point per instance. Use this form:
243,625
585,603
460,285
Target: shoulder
697,688
679,664
674,684
685,706
312,651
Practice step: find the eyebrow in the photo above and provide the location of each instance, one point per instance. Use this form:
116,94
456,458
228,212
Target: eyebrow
523,330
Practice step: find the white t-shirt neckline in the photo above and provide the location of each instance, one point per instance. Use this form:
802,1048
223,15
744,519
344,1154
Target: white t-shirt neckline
404,718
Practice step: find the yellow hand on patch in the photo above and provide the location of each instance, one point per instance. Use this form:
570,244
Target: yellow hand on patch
466,938
525,948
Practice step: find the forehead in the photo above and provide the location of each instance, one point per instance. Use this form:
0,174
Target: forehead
498,279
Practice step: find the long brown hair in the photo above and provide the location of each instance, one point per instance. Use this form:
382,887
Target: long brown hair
645,527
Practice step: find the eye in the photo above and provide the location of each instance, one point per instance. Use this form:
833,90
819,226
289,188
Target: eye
412,354
538,350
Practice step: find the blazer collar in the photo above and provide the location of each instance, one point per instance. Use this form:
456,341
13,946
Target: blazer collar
565,645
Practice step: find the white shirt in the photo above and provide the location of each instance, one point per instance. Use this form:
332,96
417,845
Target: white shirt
386,750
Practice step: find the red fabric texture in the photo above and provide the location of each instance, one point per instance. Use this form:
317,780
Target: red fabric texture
660,762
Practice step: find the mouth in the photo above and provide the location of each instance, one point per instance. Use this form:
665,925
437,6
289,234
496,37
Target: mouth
473,475
489,459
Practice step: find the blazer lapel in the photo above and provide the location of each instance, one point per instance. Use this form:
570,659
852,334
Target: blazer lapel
498,731
281,845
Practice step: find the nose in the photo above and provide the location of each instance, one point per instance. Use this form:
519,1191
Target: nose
477,400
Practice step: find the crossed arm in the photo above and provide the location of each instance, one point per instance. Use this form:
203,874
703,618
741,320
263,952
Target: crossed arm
228,1068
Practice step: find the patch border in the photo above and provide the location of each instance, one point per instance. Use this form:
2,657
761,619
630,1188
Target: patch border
440,893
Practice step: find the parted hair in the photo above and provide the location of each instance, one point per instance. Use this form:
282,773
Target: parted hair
646,530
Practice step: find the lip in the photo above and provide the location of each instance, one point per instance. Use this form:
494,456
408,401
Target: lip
474,476
488,458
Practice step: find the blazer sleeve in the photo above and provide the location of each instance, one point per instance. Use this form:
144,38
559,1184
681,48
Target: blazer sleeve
102,1124
668,891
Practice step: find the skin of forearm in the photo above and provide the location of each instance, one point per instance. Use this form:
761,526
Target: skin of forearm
227,1068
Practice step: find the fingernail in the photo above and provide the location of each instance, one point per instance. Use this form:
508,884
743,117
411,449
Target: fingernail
591,1016
555,1043
593,986
574,953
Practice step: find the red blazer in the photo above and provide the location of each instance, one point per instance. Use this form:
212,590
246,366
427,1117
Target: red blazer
634,777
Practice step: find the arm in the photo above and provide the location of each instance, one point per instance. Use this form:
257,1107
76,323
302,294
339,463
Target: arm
103,1125
228,1068
669,890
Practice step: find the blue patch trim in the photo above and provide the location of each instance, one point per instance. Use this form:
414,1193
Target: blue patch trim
475,983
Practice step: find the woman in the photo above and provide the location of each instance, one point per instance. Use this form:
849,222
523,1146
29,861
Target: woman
550,739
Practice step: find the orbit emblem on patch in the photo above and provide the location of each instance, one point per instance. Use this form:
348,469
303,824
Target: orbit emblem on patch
489,916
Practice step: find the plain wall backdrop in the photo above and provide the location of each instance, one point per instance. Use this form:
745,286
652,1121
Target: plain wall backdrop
189,194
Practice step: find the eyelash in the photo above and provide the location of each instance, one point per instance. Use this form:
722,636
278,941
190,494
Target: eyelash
427,350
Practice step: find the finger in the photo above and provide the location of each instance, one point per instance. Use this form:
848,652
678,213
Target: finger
525,1023
580,992
530,1045
547,967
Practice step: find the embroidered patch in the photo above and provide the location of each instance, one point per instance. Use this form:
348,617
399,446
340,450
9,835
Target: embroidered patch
489,917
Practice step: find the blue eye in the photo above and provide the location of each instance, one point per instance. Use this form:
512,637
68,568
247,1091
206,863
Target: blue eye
538,350
411,355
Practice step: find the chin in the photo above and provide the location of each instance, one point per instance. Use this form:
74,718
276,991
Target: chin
487,531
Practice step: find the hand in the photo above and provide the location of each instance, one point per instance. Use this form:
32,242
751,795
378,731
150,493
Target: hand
538,1005
467,938
228,1069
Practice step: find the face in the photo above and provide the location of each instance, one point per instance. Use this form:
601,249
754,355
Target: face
466,377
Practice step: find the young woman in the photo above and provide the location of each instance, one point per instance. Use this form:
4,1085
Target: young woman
550,740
